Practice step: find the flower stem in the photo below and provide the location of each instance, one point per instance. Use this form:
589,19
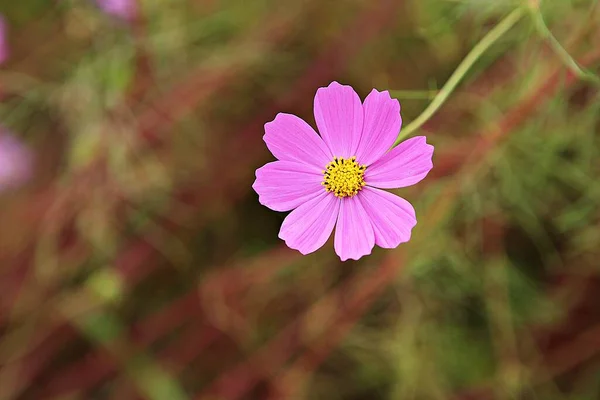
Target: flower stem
485,43
560,51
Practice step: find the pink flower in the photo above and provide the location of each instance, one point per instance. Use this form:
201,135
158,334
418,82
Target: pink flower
15,162
4,53
336,178
125,9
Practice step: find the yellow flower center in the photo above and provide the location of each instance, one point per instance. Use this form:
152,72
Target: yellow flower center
344,177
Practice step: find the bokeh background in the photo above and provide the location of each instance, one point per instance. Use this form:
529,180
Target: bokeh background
137,263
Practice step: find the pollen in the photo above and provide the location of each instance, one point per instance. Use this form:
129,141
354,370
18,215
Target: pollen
344,177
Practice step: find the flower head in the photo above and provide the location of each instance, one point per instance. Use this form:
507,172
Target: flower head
335,179
125,9
4,52
15,161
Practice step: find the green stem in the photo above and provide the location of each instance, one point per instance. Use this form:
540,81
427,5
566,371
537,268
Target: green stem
560,51
485,43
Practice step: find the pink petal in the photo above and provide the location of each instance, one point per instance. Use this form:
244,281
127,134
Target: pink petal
289,138
16,161
354,235
404,165
125,9
381,126
285,185
392,217
339,116
308,227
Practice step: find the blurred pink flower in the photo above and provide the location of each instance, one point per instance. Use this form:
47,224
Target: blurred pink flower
337,177
4,53
125,9
15,161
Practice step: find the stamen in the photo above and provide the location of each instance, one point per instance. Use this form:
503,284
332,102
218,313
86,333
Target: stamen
344,177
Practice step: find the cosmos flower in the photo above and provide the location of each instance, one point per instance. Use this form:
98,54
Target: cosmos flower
4,53
335,179
125,9
15,161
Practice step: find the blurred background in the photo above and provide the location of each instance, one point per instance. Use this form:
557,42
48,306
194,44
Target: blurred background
137,263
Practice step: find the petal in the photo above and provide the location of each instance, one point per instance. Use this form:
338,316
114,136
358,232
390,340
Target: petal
354,235
339,116
381,126
16,161
126,9
308,227
404,165
285,185
392,217
289,138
